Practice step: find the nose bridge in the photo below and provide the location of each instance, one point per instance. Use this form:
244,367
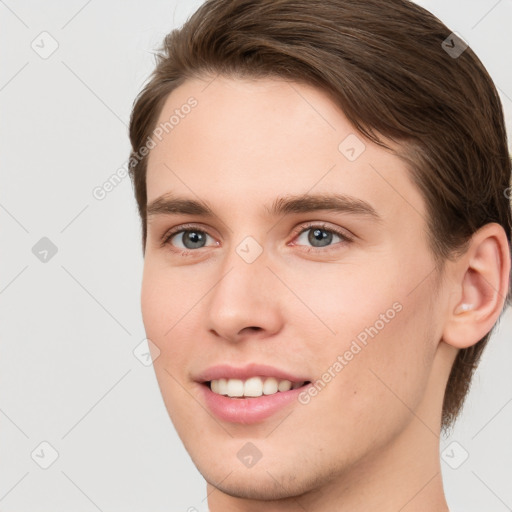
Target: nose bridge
241,297
244,275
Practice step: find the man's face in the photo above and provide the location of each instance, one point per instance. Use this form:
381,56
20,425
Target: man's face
342,299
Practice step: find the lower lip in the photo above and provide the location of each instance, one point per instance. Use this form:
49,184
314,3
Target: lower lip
248,410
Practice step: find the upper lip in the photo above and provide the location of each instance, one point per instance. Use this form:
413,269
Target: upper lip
225,371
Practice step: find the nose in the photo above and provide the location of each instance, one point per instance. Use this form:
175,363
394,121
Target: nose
245,302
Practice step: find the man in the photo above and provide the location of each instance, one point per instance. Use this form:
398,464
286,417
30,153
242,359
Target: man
326,229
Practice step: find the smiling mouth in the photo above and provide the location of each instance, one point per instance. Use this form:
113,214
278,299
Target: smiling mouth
252,387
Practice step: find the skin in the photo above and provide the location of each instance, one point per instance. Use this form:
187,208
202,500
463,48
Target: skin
370,439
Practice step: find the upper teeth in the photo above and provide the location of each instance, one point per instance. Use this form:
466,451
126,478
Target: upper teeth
254,386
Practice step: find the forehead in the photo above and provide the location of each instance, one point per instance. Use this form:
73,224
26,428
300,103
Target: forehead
247,140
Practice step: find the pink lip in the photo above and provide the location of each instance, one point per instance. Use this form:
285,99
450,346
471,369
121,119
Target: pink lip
225,371
252,409
248,410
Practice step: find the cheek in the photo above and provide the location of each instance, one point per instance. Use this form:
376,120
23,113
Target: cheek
383,343
163,304
153,303
346,302
164,297
172,311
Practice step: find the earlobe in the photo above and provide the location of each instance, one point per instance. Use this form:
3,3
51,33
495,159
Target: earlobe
481,287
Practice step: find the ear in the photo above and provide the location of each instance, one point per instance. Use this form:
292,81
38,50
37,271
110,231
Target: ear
481,287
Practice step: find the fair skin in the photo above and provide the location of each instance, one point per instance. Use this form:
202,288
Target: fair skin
369,440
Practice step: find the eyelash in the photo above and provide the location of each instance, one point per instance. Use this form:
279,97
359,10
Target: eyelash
345,239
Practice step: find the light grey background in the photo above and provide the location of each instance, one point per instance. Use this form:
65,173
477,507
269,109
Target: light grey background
68,375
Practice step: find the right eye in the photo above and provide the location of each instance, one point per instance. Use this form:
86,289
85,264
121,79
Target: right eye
185,240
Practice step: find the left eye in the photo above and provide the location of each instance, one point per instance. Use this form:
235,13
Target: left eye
320,237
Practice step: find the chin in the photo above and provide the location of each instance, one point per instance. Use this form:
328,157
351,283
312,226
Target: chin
263,485
267,480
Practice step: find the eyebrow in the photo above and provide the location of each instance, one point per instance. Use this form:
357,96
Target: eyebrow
339,203
285,205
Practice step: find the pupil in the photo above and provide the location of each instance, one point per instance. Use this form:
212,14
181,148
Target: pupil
193,239
319,235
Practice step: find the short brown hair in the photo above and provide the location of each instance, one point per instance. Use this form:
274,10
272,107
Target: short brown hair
385,65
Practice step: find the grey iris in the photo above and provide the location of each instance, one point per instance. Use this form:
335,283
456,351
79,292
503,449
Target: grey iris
316,237
196,239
